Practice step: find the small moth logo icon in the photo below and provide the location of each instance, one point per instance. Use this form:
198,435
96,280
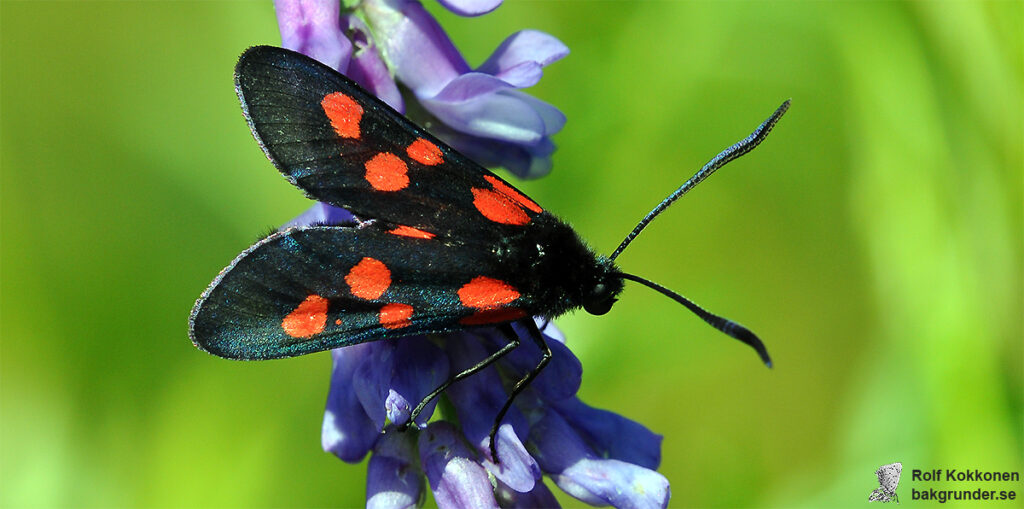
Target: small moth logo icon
888,479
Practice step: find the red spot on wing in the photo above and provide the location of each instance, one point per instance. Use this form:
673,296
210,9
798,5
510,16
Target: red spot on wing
337,322
368,279
424,152
498,208
307,319
488,316
409,231
485,293
344,114
509,191
395,315
386,172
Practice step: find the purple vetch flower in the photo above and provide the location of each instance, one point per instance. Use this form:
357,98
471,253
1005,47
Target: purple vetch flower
485,114
316,28
368,68
481,112
394,479
562,452
322,213
470,7
593,455
596,456
311,28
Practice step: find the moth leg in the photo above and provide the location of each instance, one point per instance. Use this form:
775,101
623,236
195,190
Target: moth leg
547,321
513,342
537,338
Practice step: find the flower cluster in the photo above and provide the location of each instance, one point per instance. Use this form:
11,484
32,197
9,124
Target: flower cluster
593,455
480,112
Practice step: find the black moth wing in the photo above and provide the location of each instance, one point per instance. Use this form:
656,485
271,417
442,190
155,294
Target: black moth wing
343,146
307,289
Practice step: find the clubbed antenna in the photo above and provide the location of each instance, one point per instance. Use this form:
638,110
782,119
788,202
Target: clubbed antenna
727,326
742,147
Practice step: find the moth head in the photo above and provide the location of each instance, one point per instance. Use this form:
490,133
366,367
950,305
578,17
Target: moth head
599,299
602,291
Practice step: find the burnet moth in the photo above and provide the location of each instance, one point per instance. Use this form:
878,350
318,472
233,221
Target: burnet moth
442,244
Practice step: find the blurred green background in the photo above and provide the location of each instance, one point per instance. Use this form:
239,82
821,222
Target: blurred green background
874,242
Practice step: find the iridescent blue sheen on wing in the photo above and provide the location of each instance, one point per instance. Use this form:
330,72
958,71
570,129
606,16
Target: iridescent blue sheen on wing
246,311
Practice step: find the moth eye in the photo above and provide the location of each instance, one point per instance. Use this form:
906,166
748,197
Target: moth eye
600,300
